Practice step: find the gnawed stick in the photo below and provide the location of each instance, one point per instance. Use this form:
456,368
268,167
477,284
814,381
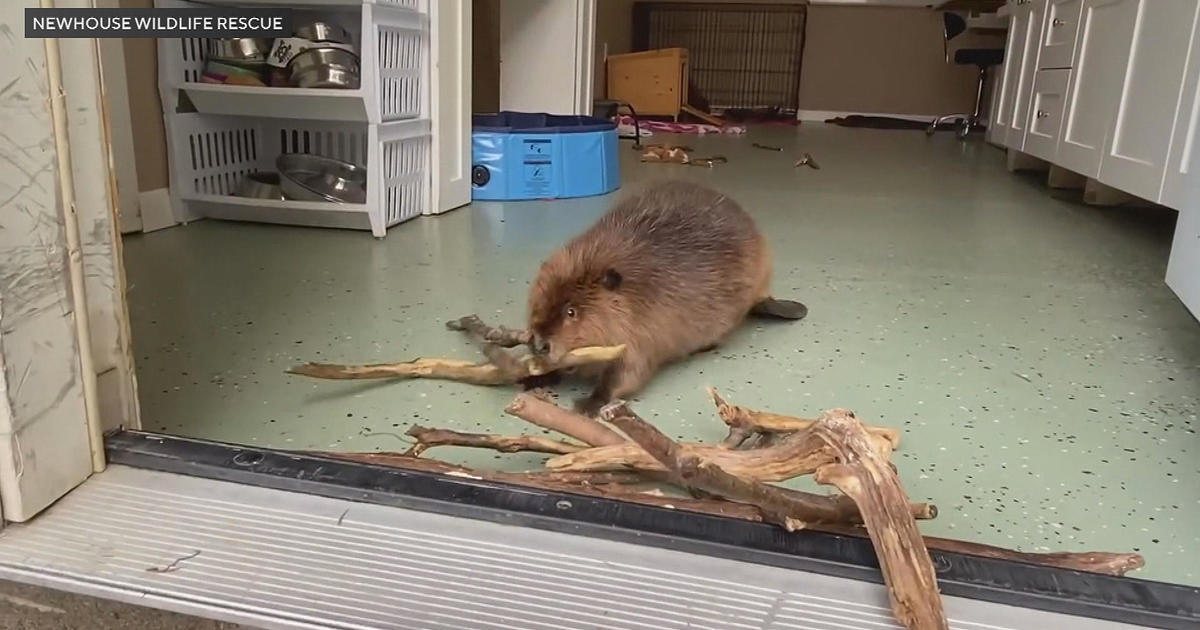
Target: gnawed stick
603,485
428,438
1104,563
791,509
786,457
873,485
499,335
459,370
548,415
745,422
1100,562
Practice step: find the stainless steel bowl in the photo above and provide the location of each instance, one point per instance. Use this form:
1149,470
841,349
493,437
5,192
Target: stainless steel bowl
325,67
323,32
239,50
305,177
261,185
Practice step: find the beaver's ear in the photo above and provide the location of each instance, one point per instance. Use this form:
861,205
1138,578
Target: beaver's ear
611,280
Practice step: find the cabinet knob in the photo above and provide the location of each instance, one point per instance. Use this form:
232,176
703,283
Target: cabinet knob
1057,22
1041,113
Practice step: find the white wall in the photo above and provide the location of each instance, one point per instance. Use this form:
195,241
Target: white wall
546,55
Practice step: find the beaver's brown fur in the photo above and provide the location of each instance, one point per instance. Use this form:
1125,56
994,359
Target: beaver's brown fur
668,271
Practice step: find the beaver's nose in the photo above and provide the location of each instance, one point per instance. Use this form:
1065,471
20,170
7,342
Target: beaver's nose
540,345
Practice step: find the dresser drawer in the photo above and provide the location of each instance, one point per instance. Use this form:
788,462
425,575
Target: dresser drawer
1059,32
1046,106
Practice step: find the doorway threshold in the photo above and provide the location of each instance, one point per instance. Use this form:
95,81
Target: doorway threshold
279,540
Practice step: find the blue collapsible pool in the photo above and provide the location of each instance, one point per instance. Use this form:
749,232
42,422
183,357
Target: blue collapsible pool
519,155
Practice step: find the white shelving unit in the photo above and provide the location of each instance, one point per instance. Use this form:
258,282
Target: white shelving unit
217,134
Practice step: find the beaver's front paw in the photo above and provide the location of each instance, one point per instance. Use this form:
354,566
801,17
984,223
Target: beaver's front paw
590,406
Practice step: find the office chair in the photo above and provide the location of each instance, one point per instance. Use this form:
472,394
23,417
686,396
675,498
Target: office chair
982,58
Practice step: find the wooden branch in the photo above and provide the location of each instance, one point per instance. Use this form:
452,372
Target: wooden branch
871,482
744,422
586,484
428,438
1100,562
1093,562
548,415
499,335
791,509
787,456
458,370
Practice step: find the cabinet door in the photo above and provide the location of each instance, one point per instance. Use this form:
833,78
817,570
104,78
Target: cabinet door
1006,78
1183,270
1046,111
1101,52
1034,12
1135,155
1058,37
1181,181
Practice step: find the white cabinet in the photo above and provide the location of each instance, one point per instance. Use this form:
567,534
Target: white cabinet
1183,270
1124,91
1181,178
1030,14
1101,50
1135,154
1001,123
1058,35
1048,97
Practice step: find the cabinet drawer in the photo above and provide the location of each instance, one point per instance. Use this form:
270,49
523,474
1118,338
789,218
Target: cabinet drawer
1046,112
1059,33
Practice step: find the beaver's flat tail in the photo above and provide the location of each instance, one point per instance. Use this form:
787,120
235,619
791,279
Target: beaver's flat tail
779,309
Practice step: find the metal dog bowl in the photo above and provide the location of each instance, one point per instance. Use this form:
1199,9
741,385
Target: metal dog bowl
325,67
240,50
305,177
261,185
323,32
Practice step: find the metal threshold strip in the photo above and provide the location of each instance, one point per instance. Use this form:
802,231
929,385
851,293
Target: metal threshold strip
275,540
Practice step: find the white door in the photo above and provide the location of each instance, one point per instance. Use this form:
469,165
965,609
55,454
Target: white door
1181,179
1034,12
1101,50
46,447
450,74
547,49
1135,154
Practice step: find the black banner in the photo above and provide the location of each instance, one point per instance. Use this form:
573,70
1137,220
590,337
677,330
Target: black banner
154,23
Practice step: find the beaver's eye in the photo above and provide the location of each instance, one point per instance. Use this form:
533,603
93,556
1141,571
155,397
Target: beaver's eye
571,312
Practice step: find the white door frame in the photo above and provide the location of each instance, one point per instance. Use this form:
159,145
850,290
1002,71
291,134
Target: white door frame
450,104
50,431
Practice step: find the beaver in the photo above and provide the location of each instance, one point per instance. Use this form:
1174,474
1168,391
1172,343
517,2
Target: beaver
668,271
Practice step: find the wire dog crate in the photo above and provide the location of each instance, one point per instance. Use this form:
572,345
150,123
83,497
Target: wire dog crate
742,55
218,134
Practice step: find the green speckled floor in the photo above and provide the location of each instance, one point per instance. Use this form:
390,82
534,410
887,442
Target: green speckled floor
1046,379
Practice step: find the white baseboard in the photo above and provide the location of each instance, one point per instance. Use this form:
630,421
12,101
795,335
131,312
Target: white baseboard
156,209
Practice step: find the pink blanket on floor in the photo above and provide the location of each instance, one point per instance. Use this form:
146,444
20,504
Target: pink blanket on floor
625,125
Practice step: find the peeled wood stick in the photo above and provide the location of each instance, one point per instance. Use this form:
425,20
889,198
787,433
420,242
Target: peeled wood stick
872,483
428,438
458,370
748,421
789,456
499,335
791,509
548,415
